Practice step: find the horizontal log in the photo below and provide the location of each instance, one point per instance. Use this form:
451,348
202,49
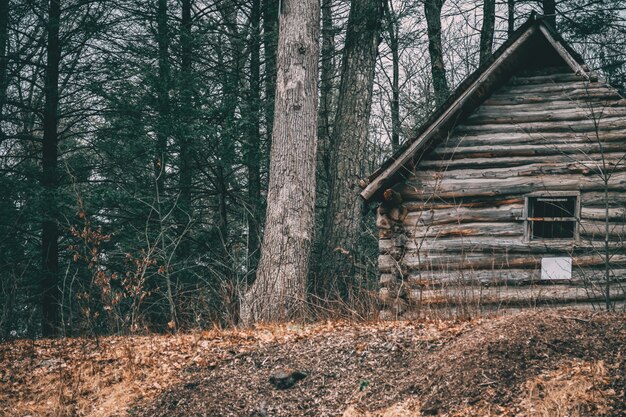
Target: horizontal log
529,295
593,213
596,230
439,163
583,167
388,264
579,151
487,244
606,124
492,229
557,104
461,215
489,116
575,95
449,188
552,78
599,199
437,204
509,277
551,88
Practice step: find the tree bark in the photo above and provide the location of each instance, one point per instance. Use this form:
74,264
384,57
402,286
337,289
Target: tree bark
486,31
343,214
394,46
270,42
50,233
4,59
164,104
278,291
432,9
549,11
510,17
186,118
326,88
254,139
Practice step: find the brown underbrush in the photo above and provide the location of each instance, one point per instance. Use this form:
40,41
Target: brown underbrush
533,363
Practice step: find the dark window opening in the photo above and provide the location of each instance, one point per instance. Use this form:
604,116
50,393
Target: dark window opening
552,217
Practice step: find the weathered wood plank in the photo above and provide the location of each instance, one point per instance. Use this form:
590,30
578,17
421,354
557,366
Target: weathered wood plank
509,99
387,264
529,295
460,215
467,229
551,139
552,78
441,164
487,244
449,188
510,277
583,167
559,88
606,124
502,116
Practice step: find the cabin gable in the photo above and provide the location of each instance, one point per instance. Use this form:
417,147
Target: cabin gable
512,204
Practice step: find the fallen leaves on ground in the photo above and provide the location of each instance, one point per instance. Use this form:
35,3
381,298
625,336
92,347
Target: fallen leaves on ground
523,364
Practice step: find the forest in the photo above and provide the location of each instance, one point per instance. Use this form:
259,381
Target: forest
160,169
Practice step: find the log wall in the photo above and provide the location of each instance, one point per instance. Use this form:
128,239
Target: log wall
459,235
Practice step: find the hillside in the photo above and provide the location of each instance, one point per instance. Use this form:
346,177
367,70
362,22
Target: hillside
536,363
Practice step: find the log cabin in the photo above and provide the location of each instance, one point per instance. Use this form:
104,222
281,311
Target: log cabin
512,193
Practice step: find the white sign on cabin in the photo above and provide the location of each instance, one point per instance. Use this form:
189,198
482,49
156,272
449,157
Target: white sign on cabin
556,268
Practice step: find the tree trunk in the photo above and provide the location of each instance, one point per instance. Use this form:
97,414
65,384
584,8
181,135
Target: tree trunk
50,233
164,105
326,89
511,17
4,59
432,9
270,42
394,46
278,291
549,11
186,119
343,213
254,139
486,31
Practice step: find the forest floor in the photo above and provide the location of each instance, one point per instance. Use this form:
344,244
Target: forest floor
534,363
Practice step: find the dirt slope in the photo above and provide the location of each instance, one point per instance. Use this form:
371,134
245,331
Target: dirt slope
538,363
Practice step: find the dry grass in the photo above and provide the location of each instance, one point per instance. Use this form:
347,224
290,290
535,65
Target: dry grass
572,372
575,389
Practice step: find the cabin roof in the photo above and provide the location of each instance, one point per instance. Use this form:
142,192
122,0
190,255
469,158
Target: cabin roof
521,49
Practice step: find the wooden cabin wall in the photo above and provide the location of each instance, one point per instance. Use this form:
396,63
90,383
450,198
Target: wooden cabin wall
457,236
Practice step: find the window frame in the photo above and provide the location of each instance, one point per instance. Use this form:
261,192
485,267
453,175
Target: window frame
528,222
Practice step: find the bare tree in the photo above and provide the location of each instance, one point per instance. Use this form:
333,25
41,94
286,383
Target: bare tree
343,214
281,276
486,31
432,9
49,178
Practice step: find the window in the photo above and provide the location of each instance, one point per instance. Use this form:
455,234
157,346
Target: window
551,216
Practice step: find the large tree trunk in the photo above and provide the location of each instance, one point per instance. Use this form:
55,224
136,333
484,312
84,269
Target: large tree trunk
254,138
343,213
486,31
432,9
50,230
279,289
